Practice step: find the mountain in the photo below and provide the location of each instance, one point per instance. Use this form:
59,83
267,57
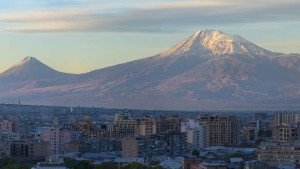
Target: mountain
30,69
208,70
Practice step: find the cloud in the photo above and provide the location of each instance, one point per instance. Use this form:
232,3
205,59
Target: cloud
286,43
155,16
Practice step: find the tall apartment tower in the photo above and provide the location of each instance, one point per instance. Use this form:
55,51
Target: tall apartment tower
285,118
223,130
168,123
125,125
147,126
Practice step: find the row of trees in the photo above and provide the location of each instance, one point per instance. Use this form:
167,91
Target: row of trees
9,163
74,164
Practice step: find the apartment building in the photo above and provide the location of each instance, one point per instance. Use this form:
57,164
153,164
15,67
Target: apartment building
286,133
168,123
29,150
285,118
223,130
58,138
168,144
199,136
7,125
279,153
250,135
147,126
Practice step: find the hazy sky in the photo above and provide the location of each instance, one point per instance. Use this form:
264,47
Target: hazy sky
79,35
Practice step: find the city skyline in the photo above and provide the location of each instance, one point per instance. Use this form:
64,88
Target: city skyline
77,37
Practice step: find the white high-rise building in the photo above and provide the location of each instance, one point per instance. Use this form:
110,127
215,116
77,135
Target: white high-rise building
199,136
190,124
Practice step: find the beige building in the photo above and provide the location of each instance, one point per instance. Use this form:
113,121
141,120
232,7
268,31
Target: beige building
223,130
192,163
168,123
125,125
279,153
130,148
58,138
286,133
147,126
29,150
9,126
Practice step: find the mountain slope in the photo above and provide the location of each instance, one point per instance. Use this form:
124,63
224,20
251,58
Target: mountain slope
210,70
31,69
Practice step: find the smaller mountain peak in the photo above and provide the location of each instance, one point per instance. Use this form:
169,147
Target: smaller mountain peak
29,58
30,68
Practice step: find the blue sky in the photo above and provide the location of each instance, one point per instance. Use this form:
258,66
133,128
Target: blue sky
79,35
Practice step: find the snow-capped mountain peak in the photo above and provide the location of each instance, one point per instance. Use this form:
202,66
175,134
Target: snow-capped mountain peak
216,43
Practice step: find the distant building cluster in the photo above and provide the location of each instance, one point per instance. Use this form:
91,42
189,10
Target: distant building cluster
172,141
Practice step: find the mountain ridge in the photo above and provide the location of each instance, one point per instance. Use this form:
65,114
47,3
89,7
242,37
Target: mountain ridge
209,69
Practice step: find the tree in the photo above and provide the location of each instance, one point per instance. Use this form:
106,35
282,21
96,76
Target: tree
107,165
235,155
157,167
135,165
17,166
5,161
70,163
262,133
196,153
84,165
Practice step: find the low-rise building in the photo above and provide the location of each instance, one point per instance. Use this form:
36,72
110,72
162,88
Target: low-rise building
170,144
279,153
213,165
50,165
191,163
255,164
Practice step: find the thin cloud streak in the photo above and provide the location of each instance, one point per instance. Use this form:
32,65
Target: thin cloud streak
150,17
282,43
